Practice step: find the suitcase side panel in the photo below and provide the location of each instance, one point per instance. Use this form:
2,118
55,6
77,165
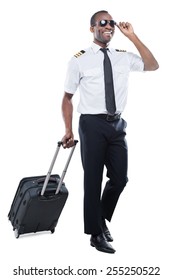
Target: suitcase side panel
24,185
38,213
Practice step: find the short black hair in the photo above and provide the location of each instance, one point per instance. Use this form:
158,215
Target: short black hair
93,18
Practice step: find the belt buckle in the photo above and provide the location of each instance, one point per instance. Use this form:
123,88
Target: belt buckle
110,118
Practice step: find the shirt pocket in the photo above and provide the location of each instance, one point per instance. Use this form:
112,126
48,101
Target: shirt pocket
121,69
121,74
94,72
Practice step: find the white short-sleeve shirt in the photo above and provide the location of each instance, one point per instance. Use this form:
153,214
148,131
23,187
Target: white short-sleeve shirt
86,73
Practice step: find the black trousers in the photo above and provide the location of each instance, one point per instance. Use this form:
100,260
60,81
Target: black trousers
102,144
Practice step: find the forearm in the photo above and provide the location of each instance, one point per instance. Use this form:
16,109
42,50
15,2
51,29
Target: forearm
150,63
67,112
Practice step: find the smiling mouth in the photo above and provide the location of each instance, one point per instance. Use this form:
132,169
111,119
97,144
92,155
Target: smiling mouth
109,33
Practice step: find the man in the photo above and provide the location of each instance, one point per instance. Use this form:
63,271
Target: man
101,128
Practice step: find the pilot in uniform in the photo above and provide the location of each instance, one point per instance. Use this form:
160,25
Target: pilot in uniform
102,135
102,138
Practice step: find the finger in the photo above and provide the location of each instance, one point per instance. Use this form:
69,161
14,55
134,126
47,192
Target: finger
70,142
124,24
64,144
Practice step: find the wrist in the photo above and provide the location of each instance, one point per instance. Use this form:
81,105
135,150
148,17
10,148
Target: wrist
68,130
69,133
133,37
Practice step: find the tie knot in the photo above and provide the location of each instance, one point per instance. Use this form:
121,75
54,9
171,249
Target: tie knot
104,50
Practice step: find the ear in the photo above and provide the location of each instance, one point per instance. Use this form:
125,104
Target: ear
92,29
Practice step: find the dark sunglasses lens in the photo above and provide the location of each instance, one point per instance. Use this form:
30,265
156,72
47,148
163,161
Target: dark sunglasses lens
103,22
112,23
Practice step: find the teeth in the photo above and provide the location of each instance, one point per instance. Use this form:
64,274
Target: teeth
108,33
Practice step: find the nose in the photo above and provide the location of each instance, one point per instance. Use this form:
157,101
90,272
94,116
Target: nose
109,28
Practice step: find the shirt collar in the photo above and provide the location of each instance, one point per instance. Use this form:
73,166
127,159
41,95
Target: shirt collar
96,48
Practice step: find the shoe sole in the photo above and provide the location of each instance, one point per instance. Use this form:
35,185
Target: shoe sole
103,250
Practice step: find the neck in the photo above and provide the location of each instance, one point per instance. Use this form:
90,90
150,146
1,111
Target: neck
102,45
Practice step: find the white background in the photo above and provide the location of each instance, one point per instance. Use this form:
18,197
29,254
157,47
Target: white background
38,37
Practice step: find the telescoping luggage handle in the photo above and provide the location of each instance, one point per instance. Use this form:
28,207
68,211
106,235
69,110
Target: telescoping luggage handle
52,165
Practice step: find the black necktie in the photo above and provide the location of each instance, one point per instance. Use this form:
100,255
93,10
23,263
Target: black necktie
109,87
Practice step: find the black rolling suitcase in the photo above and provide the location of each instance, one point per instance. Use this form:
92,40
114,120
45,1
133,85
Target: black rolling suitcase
39,200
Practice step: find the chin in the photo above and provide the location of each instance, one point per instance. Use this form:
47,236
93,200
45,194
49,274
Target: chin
106,41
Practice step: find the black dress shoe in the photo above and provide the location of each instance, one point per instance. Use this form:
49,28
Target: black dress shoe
106,231
101,244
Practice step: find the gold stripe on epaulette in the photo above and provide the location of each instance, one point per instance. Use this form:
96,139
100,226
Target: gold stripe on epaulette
120,50
79,53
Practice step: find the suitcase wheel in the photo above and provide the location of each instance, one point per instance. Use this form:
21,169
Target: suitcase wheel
53,230
16,233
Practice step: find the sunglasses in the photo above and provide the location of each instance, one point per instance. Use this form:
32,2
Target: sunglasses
104,22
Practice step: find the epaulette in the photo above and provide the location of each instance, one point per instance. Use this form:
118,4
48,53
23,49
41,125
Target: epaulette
79,53
120,50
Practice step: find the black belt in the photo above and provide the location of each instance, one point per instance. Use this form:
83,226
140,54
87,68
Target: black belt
109,118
